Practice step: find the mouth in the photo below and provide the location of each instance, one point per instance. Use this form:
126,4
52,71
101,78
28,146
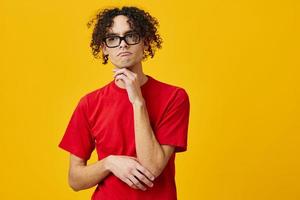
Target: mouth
123,54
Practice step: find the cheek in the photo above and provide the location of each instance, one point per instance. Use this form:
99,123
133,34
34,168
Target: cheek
139,52
113,56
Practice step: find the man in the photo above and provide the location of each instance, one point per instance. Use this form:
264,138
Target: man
135,122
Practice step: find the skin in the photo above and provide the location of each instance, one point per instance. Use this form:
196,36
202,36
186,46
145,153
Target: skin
151,156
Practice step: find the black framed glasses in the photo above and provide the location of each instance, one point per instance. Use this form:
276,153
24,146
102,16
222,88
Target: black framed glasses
113,41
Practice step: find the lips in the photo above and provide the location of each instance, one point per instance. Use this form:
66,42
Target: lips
126,53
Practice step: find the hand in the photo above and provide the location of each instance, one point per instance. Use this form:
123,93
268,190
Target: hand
131,82
129,170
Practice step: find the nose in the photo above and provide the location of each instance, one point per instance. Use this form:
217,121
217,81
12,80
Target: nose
123,44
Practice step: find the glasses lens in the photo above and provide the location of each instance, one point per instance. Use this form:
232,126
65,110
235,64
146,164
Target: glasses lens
132,38
112,41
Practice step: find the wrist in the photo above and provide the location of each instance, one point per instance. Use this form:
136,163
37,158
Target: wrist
139,102
107,162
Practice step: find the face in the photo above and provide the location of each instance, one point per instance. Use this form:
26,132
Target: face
120,27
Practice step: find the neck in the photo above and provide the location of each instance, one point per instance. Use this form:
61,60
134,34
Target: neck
137,69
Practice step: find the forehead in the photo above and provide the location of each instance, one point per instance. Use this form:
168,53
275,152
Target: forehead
120,25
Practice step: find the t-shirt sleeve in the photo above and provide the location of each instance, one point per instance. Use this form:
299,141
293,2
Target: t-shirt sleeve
77,138
173,127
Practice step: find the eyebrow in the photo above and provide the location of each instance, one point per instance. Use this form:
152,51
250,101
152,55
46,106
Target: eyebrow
114,34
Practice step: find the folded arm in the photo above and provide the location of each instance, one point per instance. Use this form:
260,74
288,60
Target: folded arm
150,153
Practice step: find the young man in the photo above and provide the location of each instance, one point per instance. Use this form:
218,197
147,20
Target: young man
135,122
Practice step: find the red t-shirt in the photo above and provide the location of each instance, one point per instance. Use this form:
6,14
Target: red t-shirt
103,119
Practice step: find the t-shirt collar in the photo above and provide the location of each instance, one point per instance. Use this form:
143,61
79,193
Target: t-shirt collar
123,90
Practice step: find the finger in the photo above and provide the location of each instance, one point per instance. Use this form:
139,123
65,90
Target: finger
137,182
133,158
142,178
123,78
117,74
147,173
131,75
130,183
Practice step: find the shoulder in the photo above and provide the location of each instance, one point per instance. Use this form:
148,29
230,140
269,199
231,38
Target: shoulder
171,91
93,96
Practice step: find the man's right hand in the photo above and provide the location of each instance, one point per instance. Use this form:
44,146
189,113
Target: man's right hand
129,170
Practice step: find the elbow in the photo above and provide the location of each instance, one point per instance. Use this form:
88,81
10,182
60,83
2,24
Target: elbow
74,183
154,166
157,166
75,187
155,169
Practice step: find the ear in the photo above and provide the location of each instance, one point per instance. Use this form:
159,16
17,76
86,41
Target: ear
146,45
104,50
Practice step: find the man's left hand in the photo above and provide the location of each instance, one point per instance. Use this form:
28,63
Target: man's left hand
130,79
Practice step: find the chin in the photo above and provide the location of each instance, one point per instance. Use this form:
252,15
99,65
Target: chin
126,65
123,66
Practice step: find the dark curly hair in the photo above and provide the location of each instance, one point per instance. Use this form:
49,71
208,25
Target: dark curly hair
139,20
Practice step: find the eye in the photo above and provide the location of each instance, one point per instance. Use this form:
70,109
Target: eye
111,39
130,35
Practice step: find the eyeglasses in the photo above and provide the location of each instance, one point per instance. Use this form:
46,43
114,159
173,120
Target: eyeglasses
115,40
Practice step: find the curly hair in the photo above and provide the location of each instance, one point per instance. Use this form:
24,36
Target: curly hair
139,20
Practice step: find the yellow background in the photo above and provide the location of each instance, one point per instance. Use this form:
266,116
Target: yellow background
238,61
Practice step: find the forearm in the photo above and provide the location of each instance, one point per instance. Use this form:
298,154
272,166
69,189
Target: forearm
149,151
84,177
